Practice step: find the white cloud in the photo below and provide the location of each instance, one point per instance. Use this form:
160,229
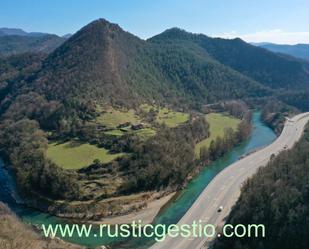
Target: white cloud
275,36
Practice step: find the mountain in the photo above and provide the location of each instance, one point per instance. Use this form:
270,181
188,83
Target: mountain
16,44
16,41
104,63
299,50
95,64
19,32
12,31
270,69
67,36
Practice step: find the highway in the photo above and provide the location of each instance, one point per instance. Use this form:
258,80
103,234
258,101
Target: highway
224,189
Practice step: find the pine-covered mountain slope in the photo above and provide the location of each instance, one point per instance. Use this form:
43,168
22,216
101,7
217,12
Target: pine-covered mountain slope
101,62
270,69
104,64
95,64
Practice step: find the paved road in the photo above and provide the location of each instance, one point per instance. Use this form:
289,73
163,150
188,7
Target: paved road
224,189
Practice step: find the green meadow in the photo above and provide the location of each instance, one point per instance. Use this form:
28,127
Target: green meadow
218,122
76,155
171,118
112,117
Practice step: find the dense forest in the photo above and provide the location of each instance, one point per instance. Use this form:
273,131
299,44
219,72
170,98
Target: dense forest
277,196
270,69
25,147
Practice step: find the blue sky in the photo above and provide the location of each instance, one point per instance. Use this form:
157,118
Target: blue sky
280,21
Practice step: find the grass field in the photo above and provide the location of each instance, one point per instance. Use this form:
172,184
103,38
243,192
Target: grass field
145,133
217,124
112,118
171,118
117,133
75,155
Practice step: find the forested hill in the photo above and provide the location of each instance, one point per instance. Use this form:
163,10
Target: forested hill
100,62
270,69
104,64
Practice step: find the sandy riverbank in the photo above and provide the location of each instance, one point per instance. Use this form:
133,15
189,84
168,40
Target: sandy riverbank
146,215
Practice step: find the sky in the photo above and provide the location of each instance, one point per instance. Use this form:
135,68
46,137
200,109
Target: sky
278,21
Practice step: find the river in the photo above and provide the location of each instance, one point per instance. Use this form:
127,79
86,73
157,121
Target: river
261,136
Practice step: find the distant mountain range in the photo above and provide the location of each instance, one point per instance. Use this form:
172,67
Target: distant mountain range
298,50
16,41
19,32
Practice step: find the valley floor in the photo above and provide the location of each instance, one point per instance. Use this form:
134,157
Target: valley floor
142,206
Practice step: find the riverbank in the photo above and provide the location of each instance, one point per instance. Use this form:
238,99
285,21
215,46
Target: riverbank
146,215
116,210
